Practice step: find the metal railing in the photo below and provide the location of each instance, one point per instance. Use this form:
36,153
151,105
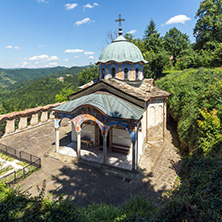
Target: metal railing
33,162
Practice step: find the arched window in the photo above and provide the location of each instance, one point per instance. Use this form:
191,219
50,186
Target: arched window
126,73
103,73
113,72
137,73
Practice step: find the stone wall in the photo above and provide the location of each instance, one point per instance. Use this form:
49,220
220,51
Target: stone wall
22,120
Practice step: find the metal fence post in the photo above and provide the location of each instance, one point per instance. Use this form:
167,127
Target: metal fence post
15,176
31,158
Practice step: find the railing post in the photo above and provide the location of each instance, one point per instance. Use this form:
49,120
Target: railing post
31,158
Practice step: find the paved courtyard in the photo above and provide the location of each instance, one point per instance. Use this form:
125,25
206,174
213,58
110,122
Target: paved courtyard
84,183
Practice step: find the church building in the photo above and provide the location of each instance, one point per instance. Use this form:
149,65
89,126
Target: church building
118,113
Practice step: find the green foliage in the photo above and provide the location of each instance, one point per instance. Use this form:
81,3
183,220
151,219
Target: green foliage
191,90
176,43
9,77
150,29
37,93
157,63
210,130
88,74
198,198
209,23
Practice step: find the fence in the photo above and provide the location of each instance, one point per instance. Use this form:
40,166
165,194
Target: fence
33,162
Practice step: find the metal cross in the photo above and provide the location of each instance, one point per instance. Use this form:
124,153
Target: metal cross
120,20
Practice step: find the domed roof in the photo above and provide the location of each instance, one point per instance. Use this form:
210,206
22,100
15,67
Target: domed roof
121,50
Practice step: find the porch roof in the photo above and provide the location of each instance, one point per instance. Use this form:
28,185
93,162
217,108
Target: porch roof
110,105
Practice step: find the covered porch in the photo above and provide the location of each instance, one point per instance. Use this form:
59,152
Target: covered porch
104,130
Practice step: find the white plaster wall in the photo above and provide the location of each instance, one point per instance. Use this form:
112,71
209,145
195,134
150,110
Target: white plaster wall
88,130
143,121
140,144
121,137
155,113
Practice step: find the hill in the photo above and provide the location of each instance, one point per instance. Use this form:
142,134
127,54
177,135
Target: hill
39,91
9,77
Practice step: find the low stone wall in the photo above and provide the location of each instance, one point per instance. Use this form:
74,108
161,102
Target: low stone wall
21,120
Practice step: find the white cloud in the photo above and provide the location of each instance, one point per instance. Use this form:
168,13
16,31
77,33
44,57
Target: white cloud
44,1
12,47
80,22
66,60
40,46
43,58
91,57
52,64
73,50
178,19
69,6
24,64
76,57
89,53
53,58
90,6
40,57
133,31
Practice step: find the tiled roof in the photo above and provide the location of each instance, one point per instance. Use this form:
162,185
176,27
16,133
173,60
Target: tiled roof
110,105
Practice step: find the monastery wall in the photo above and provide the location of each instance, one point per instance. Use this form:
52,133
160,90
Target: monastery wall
121,137
89,131
156,113
22,120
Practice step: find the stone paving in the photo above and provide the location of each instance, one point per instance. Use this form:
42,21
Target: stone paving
83,183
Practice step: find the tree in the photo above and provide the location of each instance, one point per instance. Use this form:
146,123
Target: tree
150,29
88,74
209,23
155,43
175,43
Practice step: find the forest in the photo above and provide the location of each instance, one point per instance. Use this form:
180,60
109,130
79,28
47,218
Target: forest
192,73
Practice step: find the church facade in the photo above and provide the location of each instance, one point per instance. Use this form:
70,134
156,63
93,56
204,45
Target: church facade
121,111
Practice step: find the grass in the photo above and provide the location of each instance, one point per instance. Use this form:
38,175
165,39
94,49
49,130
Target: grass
4,170
5,157
20,174
21,163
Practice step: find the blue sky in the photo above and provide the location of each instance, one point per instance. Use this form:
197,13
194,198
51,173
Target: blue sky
47,33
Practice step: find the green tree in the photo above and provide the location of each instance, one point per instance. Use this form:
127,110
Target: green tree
157,63
209,23
155,43
150,29
175,43
88,74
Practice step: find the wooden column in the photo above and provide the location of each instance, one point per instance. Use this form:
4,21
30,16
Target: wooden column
78,144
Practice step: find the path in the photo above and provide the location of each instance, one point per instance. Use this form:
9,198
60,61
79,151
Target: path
85,184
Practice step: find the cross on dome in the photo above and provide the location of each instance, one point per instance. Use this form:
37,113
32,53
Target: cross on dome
120,24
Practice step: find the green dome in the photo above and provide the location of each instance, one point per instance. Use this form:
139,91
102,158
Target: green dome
121,50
